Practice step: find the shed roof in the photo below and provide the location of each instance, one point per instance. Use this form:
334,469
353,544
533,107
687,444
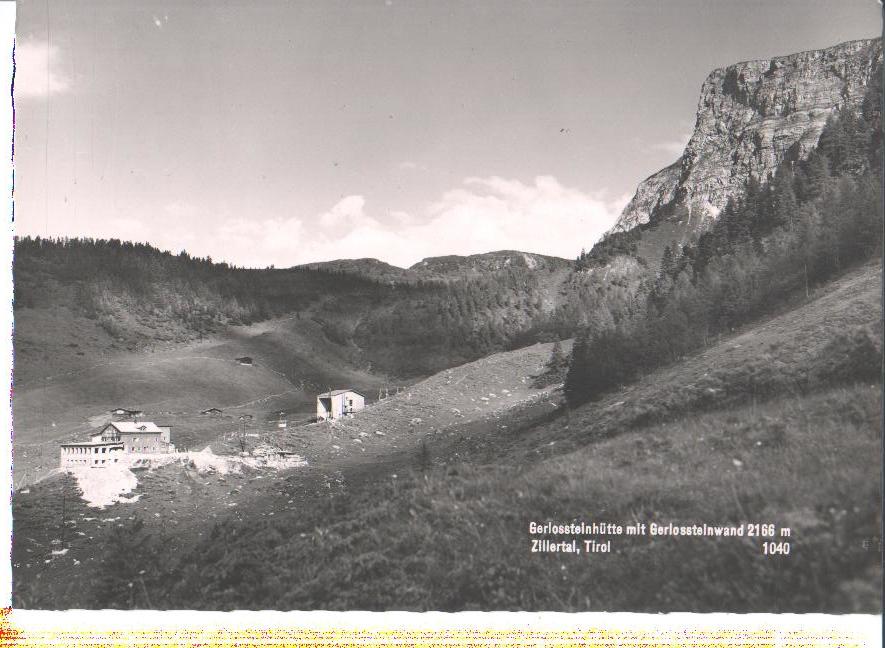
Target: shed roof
132,427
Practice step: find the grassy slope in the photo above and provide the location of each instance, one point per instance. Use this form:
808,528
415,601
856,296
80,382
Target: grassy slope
832,338
804,453
293,361
433,410
69,369
457,538
69,372
779,423
183,506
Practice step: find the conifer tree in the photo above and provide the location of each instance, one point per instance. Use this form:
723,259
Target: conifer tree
784,199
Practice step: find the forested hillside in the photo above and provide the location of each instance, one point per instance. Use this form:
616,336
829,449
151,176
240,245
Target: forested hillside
775,243
810,221
114,296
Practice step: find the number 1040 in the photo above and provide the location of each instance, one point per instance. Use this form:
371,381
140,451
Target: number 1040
776,548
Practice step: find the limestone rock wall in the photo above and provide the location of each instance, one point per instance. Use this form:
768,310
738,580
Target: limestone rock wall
751,116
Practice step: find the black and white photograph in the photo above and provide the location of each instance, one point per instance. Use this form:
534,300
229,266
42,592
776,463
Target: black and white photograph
413,305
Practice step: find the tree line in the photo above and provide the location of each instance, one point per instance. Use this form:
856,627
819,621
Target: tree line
415,326
782,237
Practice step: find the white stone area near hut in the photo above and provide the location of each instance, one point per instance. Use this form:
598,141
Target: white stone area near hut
101,487
104,486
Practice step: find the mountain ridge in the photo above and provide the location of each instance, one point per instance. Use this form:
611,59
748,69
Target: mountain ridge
437,266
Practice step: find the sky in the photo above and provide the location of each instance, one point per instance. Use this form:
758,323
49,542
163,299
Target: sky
280,133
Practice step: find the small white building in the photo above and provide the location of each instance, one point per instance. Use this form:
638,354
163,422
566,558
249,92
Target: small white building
338,403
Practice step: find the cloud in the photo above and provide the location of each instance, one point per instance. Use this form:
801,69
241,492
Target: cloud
408,165
480,215
621,201
37,70
346,214
674,147
402,218
256,242
180,209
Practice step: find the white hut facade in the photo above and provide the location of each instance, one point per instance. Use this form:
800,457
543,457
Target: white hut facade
94,455
335,404
115,441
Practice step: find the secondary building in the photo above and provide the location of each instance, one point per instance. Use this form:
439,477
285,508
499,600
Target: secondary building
122,413
339,402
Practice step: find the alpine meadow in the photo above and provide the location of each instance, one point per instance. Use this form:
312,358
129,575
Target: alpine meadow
472,431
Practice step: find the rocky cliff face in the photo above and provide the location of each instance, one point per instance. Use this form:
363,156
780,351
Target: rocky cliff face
657,189
752,116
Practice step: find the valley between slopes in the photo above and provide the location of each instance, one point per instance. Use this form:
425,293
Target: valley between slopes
468,457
